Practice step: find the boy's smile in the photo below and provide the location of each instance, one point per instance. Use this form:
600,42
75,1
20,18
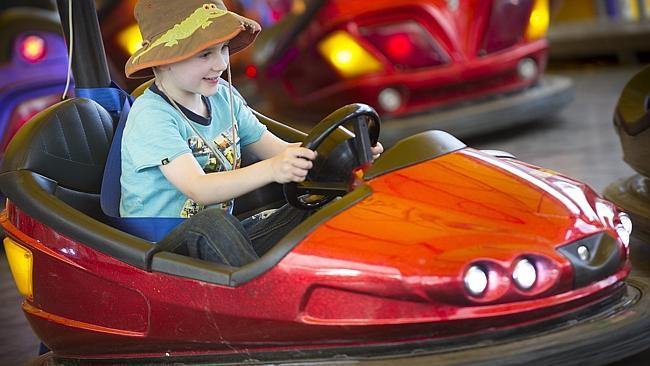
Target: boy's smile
212,80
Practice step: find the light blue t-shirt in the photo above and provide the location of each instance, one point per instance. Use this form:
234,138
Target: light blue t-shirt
156,133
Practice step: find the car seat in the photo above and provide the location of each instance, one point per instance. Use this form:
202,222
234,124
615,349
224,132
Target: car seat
53,168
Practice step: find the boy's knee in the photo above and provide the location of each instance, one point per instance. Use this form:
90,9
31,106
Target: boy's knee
218,217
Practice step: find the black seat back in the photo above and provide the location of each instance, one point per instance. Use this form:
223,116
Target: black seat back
52,170
68,144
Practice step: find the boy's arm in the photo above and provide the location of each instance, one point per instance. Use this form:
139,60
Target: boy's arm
281,162
289,165
268,145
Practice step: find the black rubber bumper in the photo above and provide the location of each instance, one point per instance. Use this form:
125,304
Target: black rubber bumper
547,96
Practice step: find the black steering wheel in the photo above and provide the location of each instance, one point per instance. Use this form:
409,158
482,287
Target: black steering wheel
316,191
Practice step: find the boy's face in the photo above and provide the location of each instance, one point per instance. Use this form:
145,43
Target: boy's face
200,73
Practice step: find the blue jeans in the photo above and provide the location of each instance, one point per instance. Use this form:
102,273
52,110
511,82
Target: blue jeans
217,236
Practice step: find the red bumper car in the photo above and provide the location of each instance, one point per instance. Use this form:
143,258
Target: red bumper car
430,254
436,253
463,66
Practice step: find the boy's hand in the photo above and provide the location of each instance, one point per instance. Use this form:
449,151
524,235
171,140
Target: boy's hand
292,164
376,150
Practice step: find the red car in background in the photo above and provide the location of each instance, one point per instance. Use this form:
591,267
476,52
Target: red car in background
412,60
465,66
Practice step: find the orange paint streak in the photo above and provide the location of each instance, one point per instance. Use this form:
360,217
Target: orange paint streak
28,308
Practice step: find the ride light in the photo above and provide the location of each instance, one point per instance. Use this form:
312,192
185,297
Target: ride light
21,263
527,68
389,99
407,45
251,71
476,280
583,253
347,56
524,274
130,39
32,48
538,21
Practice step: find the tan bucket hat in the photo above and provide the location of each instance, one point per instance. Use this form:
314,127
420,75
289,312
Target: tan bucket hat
176,30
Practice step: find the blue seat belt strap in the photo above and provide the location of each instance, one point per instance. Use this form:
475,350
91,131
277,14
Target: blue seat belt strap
148,228
111,98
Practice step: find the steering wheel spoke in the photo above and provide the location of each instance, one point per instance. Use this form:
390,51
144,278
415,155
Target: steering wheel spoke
362,140
365,120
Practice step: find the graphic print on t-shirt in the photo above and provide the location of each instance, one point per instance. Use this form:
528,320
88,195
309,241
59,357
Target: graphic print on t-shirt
224,160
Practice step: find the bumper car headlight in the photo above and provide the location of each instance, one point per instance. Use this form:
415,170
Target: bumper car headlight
476,280
524,274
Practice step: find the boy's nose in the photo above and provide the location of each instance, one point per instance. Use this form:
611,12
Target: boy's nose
220,63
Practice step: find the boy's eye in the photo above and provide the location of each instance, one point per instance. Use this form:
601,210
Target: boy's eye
205,54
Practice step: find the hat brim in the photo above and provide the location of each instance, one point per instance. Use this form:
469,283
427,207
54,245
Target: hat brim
238,30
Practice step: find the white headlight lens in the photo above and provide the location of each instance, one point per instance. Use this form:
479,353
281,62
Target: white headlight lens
527,69
390,99
476,280
626,222
524,274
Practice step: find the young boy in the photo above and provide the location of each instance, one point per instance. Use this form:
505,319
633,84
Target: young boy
183,137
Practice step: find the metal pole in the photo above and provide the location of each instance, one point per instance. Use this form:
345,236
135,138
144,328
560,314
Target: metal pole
88,56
